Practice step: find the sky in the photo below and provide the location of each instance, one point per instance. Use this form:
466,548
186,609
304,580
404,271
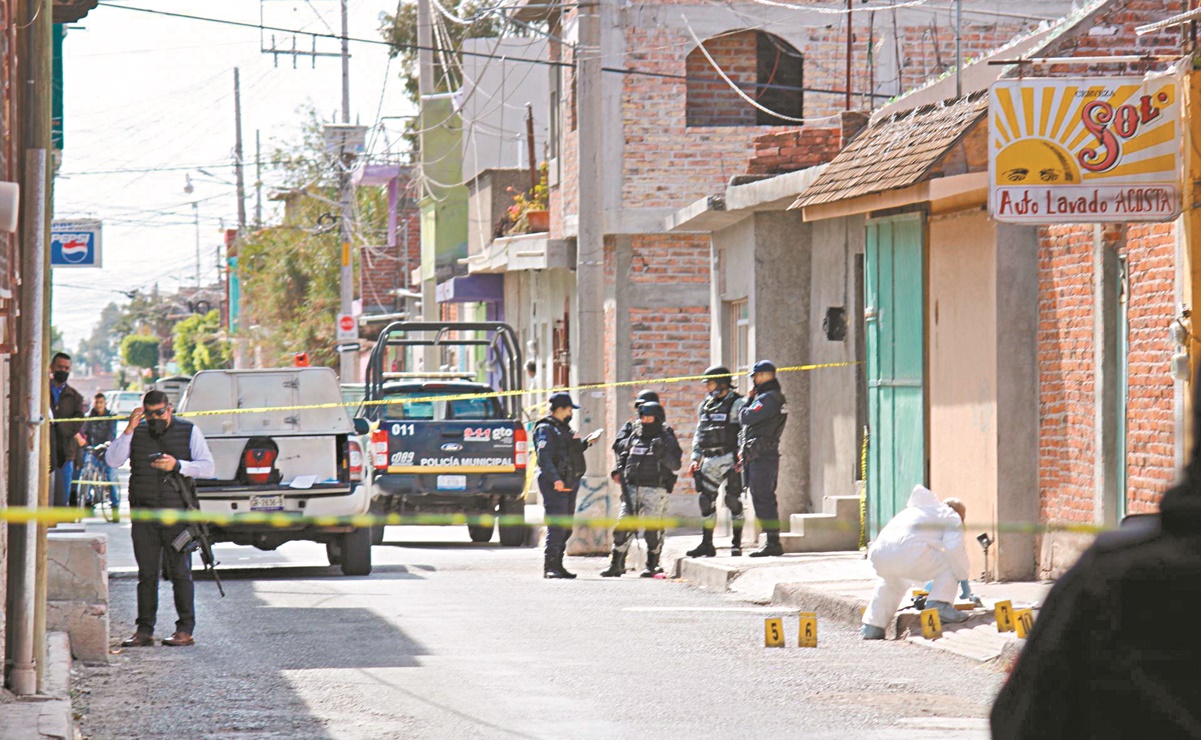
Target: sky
148,92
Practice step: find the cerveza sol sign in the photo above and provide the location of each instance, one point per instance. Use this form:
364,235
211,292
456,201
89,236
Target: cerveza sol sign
1084,150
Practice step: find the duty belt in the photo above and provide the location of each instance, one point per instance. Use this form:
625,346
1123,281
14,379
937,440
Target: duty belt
715,451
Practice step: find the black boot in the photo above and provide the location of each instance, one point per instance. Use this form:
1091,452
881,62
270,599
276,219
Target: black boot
559,562
552,566
652,566
772,547
617,565
736,544
705,549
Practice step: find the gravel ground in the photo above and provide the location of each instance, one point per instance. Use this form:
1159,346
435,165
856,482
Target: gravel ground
468,641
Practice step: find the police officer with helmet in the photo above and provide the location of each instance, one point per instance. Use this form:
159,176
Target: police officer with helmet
561,467
648,462
623,435
714,447
762,418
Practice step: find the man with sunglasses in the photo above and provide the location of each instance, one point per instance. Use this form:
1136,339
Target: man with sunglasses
160,450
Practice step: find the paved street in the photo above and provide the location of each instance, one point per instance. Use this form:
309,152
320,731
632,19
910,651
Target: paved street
449,639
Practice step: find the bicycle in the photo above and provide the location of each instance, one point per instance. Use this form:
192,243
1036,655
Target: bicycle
94,488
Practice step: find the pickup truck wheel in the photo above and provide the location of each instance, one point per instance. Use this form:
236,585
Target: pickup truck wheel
333,551
480,533
356,552
513,535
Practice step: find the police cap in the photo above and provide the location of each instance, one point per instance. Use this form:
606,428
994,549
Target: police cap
561,400
764,366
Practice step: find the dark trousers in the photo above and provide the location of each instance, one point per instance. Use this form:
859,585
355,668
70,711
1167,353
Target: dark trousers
558,504
154,553
761,475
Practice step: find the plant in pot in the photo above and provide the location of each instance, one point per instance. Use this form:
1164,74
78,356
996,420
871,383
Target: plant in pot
530,212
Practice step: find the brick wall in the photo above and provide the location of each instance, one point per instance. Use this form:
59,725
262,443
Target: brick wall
1151,305
1066,372
383,269
709,100
794,150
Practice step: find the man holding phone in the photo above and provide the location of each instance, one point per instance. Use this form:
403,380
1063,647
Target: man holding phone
160,449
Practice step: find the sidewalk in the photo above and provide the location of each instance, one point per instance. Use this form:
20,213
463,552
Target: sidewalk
838,585
46,716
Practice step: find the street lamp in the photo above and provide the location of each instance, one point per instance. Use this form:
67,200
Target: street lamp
187,188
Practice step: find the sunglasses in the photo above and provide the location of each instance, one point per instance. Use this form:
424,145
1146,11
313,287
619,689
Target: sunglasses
156,412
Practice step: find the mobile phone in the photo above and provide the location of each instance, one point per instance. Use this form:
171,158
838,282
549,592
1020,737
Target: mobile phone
155,455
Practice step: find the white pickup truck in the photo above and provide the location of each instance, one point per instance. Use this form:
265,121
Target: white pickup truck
283,459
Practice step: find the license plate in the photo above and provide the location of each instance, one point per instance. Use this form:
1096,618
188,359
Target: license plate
452,482
274,502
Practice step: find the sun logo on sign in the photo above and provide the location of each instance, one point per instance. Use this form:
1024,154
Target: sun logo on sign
1073,135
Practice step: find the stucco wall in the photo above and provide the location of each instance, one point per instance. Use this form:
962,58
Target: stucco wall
961,306
833,421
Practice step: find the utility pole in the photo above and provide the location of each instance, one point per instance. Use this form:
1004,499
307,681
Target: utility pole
258,180
590,259
958,48
425,87
196,217
348,360
238,174
850,46
29,483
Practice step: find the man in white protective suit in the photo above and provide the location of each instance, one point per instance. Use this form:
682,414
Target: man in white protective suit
922,543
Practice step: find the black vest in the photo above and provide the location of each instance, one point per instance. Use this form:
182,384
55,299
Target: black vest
717,432
148,487
643,458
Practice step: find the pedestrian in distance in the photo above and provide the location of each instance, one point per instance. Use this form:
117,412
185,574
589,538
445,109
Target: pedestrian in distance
561,467
648,461
66,437
763,417
163,453
1114,651
97,430
714,449
924,542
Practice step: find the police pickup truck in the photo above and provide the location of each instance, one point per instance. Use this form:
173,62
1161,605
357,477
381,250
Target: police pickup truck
445,443
296,452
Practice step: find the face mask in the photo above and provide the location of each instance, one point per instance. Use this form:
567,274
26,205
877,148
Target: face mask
156,426
60,376
567,419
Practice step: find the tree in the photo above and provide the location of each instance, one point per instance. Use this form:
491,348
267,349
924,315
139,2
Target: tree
199,344
100,349
56,340
290,273
400,31
140,350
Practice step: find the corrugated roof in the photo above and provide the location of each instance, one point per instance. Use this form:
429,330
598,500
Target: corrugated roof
897,152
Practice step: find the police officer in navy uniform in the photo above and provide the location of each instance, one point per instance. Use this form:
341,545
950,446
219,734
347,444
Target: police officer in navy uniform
560,470
160,449
762,419
714,448
648,462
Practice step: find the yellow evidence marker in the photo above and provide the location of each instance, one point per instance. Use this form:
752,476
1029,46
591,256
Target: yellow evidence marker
807,634
1004,612
773,633
931,624
1025,622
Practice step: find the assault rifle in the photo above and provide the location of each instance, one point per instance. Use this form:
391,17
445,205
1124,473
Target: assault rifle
196,536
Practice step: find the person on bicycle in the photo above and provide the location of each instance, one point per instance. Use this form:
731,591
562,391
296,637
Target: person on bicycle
101,430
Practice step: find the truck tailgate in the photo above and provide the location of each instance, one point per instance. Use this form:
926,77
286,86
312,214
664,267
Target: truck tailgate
453,447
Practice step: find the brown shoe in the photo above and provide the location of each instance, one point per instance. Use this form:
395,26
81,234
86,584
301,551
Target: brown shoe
179,639
139,639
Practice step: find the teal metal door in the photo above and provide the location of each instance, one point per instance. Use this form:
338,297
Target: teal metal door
894,316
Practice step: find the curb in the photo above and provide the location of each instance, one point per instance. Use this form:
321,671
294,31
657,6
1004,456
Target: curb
846,610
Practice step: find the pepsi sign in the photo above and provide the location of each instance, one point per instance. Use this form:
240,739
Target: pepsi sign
75,243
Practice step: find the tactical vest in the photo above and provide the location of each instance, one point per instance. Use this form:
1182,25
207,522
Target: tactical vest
643,459
148,486
717,432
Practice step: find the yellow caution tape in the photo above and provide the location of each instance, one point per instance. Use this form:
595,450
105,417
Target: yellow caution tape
459,397
287,520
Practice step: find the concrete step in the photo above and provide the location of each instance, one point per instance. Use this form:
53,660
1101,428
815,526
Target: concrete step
834,530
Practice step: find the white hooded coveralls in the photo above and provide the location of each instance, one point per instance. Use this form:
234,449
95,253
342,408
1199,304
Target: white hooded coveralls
922,543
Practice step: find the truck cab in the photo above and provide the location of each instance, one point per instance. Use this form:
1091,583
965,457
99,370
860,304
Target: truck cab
294,449
447,443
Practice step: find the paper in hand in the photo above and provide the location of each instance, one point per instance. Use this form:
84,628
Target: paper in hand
595,435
